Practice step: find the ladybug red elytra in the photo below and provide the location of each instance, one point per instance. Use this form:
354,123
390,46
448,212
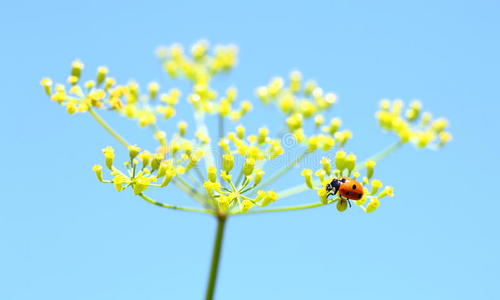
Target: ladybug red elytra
346,187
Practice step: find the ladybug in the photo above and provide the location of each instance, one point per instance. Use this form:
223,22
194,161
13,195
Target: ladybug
346,187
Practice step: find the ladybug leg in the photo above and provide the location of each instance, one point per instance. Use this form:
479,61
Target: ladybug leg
349,201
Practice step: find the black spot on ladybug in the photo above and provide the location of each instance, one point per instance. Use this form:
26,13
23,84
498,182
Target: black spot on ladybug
360,196
347,193
353,186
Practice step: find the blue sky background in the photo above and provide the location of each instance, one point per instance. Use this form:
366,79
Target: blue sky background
64,236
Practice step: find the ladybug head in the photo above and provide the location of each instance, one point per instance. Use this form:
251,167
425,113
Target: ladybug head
333,185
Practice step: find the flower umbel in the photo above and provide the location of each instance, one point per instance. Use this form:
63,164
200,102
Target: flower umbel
235,179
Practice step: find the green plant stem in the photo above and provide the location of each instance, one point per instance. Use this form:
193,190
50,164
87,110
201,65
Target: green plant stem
288,208
292,191
108,128
199,117
283,171
382,154
214,266
148,199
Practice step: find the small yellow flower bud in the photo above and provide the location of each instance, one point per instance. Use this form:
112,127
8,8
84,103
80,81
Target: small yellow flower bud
72,80
47,86
322,194
373,205
439,125
224,202
227,162
334,125
330,99
153,88
385,104
269,197
341,205
327,166
182,127
307,108
212,173
444,138
240,131
340,160
141,184
307,173
98,172
199,50
168,177
388,191
224,107
295,80
350,162
258,176
312,143
263,132
424,138
260,195
245,107
246,205
287,103
309,87
343,137
76,69
145,157
223,143
319,120
426,119
155,163
262,94
248,166
231,94
225,176
109,156
118,181
294,122
167,111
133,150
101,75
370,166
320,174
164,167
275,86
376,184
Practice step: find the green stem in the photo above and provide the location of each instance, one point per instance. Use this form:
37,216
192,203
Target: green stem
292,191
283,171
288,208
173,206
214,267
108,128
202,127
379,155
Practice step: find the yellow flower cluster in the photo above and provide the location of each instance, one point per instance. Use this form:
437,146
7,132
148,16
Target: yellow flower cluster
255,147
143,170
296,97
106,94
199,67
235,184
345,165
301,102
413,125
